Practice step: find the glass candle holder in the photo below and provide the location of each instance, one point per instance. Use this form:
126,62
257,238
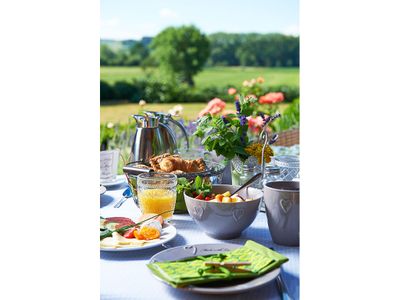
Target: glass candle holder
157,193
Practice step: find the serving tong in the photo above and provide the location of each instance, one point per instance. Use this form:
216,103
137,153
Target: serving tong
266,139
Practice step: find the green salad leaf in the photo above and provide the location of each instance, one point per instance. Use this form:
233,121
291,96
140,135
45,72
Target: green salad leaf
195,187
183,185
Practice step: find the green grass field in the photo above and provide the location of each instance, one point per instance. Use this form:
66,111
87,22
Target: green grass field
120,113
215,76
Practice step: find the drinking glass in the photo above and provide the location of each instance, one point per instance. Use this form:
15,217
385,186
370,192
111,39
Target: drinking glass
157,193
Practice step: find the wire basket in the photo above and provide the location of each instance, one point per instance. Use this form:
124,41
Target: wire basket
288,138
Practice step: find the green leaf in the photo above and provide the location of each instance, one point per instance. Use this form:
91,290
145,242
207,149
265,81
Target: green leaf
240,150
198,182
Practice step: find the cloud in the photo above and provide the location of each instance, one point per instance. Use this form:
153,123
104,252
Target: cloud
168,13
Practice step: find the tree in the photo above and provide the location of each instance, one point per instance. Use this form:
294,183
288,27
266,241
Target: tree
181,51
223,46
137,54
107,56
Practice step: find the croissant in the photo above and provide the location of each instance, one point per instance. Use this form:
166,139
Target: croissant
175,164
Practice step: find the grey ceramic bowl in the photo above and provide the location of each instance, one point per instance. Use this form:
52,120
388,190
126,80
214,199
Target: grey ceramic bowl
225,220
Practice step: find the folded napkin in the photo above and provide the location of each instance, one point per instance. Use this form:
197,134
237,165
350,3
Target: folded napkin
194,271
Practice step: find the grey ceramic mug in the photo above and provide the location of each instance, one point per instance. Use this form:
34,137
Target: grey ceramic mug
282,202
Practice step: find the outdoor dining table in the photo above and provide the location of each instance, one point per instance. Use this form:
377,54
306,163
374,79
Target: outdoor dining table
124,275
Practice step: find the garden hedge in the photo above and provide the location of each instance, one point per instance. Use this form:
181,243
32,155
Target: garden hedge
156,91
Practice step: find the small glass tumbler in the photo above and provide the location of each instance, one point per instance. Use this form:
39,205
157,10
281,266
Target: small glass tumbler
157,193
271,174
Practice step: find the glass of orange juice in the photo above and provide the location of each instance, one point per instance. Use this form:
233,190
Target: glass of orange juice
157,193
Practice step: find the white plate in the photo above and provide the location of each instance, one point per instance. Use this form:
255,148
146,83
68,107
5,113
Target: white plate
102,189
183,252
117,181
167,234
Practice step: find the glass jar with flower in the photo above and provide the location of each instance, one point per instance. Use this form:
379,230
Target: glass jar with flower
229,136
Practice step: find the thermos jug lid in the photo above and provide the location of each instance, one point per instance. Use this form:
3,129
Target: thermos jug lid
146,121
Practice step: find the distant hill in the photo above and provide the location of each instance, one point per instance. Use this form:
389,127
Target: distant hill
125,44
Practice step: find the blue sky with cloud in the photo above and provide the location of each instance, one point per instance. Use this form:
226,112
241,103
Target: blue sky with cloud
133,19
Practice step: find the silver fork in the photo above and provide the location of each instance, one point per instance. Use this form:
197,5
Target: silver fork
282,288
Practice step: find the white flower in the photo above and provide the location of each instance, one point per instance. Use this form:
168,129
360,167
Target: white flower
110,125
142,103
176,110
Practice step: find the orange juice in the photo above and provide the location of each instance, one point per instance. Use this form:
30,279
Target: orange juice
156,201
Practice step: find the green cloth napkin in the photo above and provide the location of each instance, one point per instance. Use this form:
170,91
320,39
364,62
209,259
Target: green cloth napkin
193,270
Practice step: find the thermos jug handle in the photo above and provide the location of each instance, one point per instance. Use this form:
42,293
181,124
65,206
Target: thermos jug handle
183,129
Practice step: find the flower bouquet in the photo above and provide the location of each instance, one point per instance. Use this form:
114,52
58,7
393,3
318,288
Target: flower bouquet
229,136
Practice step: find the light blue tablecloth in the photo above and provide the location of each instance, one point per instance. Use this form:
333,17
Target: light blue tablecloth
124,275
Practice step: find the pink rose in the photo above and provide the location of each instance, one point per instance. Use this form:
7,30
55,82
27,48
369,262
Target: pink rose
271,98
255,124
213,107
231,91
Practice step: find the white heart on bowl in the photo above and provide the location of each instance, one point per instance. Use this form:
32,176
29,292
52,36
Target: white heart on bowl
198,212
238,214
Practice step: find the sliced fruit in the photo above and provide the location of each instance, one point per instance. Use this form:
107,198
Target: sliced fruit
227,194
237,199
219,197
226,200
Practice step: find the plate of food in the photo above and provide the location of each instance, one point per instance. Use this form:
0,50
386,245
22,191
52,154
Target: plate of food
123,234
244,267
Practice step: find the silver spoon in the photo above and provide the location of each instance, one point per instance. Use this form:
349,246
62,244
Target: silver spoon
125,195
248,182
